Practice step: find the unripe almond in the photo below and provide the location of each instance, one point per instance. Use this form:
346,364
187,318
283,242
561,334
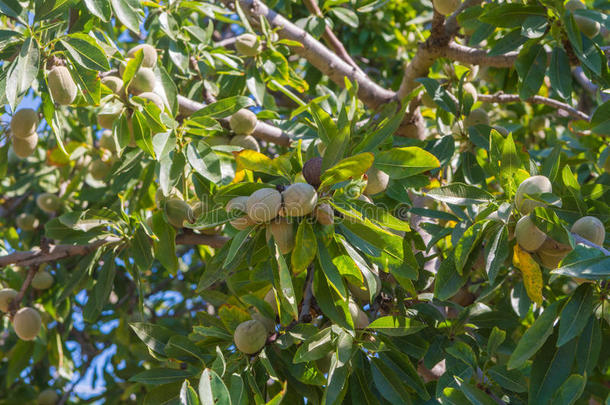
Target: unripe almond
324,214
588,26
99,169
248,45
245,142
27,323
152,97
361,293
377,181
312,170
529,237
149,59
42,280
24,147
532,185
178,212
7,295
264,205
552,252
446,7
48,397
107,141
270,299
48,202
243,122
539,123
61,85
115,84
361,320
239,203
26,222
24,123
477,116
160,198
299,199
591,229
250,336
283,234
107,116
143,81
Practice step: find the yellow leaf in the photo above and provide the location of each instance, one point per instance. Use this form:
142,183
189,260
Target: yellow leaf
532,275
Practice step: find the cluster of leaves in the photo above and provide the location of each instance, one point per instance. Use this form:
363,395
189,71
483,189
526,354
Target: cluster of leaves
486,315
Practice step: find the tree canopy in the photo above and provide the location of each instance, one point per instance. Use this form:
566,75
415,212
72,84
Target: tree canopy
303,202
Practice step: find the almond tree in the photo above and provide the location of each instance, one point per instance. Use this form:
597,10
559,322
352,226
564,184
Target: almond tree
364,201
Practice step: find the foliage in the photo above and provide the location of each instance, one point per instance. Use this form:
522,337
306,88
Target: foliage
417,294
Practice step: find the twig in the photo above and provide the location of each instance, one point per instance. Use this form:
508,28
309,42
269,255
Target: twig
330,37
583,241
37,256
514,98
307,297
263,131
28,280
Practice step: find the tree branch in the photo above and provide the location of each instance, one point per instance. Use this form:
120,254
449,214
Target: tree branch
330,37
28,280
317,54
37,256
473,56
263,131
514,98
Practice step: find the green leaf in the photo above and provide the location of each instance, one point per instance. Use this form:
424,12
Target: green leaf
396,325
559,73
376,236
402,366
85,51
469,240
18,359
237,242
570,391
585,262
496,253
127,13
165,247
460,194
284,277
448,281
463,352
600,121
531,67
496,337
205,162
589,346
575,314
404,162
439,94
22,71
510,14
474,395
330,270
512,380
346,15
158,376
154,336
533,338
188,396
352,167
224,108
315,347
388,383
550,368
212,390
99,8
305,247
141,249
179,346
142,133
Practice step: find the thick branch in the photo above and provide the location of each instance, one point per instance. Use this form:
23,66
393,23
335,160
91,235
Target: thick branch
36,256
514,98
317,54
473,56
330,37
263,131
